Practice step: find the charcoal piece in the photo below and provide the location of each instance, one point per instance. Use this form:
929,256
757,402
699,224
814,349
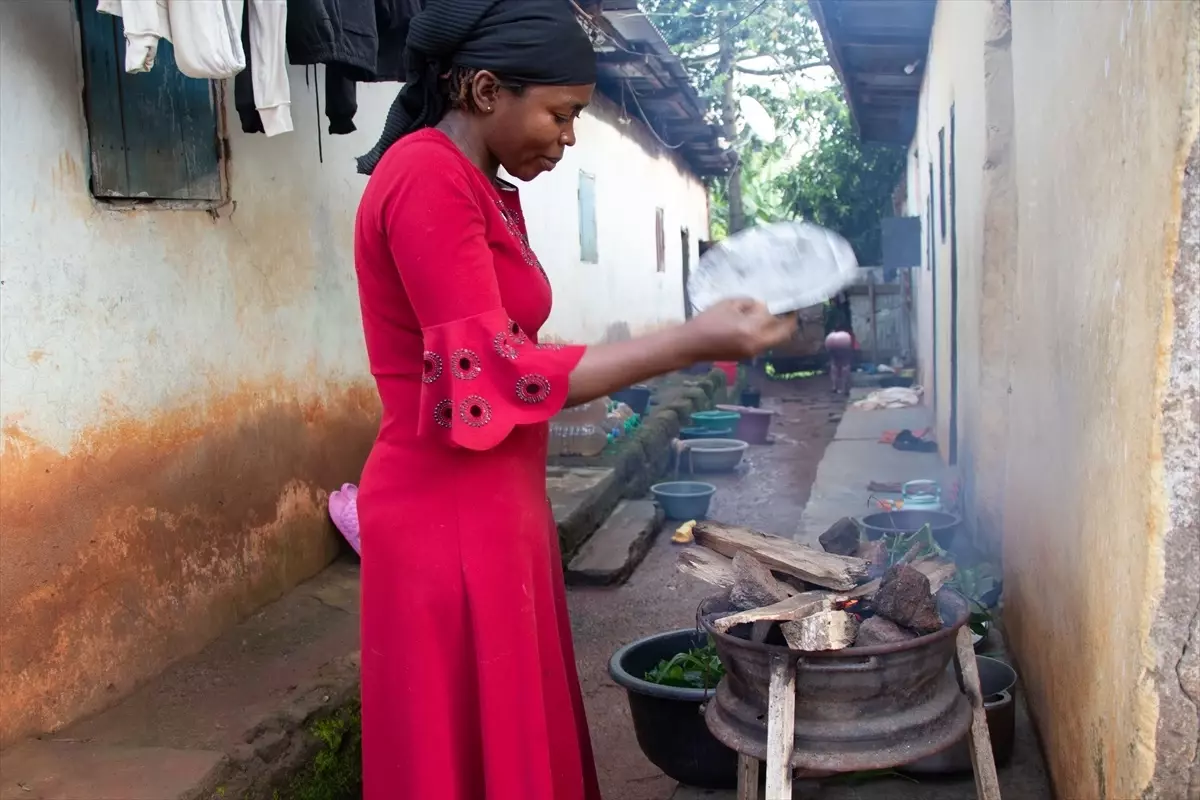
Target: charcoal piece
879,630
904,598
842,538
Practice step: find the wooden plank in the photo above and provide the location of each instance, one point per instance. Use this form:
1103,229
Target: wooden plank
781,728
793,608
706,566
831,571
748,767
102,67
987,782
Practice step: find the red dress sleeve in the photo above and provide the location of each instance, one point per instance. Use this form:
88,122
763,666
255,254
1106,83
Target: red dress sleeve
482,374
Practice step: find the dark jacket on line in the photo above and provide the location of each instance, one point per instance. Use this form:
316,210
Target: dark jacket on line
356,40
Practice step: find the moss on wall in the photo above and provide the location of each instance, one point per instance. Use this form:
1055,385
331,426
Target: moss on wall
336,771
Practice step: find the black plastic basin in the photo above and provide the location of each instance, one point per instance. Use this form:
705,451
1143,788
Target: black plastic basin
943,525
669,721
998,681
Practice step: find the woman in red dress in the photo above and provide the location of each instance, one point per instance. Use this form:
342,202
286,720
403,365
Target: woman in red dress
469,683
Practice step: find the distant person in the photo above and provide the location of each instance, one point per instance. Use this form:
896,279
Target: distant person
469,686
840,346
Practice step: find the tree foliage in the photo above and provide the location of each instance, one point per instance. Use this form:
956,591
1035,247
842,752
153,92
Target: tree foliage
771,38
837,181
843,183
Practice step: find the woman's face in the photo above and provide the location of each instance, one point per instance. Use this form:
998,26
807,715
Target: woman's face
528,131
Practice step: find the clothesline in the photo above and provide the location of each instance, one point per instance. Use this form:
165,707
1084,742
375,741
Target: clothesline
254,41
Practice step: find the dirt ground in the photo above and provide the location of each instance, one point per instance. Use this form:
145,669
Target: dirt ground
768,492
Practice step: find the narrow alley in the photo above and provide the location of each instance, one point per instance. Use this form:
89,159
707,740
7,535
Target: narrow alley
768,492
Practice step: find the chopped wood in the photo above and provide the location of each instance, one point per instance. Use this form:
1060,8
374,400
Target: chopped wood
983,762
754,585
842,538
707,566
865,590
825,630
796,583
939,571
789,610
813,566
878,630
904,598
876,555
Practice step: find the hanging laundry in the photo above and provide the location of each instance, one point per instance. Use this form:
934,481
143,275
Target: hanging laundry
215,40
268,53
145,23
357,41
207,35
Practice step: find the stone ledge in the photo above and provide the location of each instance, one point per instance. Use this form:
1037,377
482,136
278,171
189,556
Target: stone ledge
237,720
614,551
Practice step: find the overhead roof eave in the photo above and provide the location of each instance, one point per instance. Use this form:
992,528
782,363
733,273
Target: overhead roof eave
638,70
878,49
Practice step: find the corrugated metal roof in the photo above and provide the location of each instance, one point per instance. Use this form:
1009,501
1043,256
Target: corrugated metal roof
878,48
639,72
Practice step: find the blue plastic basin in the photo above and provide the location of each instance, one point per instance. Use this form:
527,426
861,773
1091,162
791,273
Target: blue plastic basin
684,500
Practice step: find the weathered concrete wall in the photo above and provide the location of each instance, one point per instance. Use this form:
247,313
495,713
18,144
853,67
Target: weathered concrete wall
1100,541
179,389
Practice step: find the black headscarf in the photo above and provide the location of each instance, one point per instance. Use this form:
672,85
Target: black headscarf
526,41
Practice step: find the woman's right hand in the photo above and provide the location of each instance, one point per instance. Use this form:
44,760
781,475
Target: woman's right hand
735,329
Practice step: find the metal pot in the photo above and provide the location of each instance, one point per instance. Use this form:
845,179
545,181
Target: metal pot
998,681
944,526
861,708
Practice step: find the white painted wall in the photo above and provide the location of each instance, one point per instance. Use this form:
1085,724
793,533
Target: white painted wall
119,313
179,389
635,174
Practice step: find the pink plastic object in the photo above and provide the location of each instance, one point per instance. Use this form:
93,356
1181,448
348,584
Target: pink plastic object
730,368
343,510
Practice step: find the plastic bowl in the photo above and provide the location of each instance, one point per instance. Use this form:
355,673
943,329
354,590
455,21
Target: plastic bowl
705,433
716,419
684,500
714,455
668,720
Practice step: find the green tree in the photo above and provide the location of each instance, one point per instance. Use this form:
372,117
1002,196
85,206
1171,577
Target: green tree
725,42
843,183
733,49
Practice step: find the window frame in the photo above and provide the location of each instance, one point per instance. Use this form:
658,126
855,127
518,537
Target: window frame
114,178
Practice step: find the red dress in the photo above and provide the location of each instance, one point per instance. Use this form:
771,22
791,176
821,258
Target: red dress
469,683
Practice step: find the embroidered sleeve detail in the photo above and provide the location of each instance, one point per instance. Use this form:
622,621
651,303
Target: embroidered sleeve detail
483,376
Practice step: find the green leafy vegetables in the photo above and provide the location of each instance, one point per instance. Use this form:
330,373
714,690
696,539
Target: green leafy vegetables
698,668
